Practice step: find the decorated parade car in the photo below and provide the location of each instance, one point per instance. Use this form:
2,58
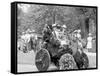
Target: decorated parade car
56,48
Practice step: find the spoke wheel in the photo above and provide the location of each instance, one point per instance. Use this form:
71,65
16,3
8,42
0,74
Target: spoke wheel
42,60
67,62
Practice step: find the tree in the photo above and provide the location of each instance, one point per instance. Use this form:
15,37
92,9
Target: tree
85,15
39,15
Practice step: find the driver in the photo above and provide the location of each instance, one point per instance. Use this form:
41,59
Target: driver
46,33
57,31
80,47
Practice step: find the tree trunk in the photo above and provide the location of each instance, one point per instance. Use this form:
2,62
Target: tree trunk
84,30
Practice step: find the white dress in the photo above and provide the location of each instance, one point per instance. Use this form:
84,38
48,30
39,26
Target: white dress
89,43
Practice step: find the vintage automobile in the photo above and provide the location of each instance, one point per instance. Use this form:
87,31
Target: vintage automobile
56,49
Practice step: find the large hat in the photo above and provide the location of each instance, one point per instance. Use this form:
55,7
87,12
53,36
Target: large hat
79,31
58,25
53,25
90,34
64,26
75,31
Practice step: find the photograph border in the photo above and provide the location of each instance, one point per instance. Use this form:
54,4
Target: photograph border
14,36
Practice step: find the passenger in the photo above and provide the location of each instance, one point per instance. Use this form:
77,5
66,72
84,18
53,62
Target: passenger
64,28
80,47
64,40
46,33
55,33
75,33
78,34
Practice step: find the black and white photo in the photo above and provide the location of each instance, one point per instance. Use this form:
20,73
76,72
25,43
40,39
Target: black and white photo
55,37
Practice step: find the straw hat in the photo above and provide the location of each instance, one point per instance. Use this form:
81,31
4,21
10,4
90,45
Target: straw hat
78,31
90,34
64,26
53,25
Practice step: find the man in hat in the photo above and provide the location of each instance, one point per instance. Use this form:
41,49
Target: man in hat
46,33
64,40
55,30
78,35
80,57
64,27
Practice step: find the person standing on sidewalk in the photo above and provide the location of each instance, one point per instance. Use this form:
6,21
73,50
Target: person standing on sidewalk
89,42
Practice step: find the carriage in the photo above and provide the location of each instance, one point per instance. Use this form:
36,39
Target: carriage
56,48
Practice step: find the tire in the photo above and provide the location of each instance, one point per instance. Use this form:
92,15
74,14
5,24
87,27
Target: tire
81,60
85,61
67,62
42,60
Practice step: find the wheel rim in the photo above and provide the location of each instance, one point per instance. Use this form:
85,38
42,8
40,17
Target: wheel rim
66,62
42,60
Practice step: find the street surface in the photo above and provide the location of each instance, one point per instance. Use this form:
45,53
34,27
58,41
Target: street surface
26,62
